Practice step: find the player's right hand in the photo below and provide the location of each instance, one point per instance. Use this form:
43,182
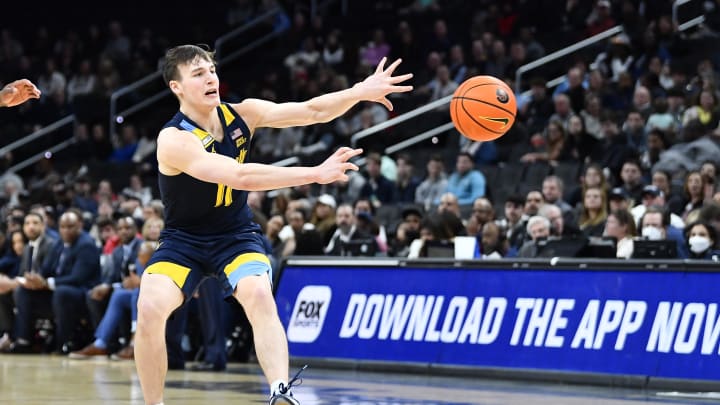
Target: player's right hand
18,92
334,168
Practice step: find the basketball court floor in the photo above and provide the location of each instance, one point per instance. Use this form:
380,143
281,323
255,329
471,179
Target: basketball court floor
43,380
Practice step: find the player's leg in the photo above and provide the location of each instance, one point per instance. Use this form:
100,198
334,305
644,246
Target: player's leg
255,295
159,297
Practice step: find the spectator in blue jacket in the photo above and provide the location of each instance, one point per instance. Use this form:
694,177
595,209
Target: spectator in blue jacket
466,182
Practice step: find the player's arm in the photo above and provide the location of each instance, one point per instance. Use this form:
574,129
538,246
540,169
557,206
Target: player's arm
180,151
376,87
18,92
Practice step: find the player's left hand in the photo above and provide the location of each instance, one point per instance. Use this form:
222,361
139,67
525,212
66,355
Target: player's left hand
378,85
334,168
18,92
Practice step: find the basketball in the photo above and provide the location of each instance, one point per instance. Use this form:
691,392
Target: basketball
483,108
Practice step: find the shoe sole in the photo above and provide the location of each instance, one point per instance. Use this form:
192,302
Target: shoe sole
283,401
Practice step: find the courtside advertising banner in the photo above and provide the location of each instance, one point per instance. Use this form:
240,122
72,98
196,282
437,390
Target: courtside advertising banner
658,324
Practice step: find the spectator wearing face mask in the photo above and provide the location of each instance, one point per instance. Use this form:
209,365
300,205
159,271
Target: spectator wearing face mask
655,225
701,239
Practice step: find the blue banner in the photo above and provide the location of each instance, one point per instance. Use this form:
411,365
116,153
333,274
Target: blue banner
658,324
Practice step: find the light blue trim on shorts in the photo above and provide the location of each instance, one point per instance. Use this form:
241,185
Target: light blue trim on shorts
252,268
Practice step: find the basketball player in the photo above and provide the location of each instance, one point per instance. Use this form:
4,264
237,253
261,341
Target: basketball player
204,180
18,92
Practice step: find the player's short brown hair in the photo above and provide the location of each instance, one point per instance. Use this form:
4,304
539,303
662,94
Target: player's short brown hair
181,55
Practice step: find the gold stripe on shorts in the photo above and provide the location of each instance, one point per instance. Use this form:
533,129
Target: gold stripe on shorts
176,272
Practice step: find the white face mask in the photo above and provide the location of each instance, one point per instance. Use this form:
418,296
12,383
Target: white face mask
699,244
652,233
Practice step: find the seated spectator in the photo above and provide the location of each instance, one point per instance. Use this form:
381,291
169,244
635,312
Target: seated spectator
533,202
538,228
428,192
113,269
655,225
405,183
632,180
513,212
694,196
553,189
466,183
593,213
579,144
34,254
449,202
407,231
346,231
122,300
621,226
439,228
549,146
58,290
493,244
653,196
377,188
662,180
9,269
657,143
304,241
619,199
702,241
558,226
704,111
272,233
482,213
592,176
323,216
364,219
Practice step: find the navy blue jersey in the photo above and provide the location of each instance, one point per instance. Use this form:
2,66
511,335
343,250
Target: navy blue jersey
202,208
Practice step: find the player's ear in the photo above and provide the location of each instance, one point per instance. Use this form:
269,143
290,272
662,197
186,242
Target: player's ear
174,86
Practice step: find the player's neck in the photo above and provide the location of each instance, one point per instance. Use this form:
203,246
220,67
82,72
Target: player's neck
203,116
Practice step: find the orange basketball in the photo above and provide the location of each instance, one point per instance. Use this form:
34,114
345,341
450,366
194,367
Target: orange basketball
483,108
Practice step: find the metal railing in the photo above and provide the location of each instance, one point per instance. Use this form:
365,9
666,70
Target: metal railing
220,45
42,155
563,52
37,134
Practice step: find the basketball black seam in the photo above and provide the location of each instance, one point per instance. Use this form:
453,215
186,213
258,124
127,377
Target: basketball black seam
478,122
457,115
485,102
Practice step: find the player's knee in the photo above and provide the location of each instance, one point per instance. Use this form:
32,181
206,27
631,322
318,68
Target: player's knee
152,308
255,296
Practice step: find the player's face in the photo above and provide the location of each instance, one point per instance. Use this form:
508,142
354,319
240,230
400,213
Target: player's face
199,82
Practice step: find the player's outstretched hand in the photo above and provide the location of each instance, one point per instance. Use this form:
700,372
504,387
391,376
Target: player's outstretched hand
378,85
334,168
18,92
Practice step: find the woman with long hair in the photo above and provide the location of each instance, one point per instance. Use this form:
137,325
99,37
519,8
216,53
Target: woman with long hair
592,176
594,212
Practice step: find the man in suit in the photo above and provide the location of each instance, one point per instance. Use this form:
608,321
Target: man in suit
33,256
346,231
116,268
58,290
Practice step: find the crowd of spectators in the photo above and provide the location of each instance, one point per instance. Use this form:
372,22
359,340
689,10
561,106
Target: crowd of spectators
626,147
